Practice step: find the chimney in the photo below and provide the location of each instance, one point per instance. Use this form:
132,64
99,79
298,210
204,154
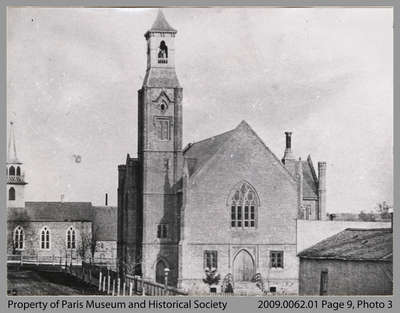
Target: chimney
299,176
106,200
322,190
288,155
288,158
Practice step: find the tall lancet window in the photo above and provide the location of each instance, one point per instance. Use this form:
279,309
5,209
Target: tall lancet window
162,53
244,205
11,194
71,242
19,238
45,238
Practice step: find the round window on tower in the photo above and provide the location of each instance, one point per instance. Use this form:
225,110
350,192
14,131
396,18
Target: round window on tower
163,107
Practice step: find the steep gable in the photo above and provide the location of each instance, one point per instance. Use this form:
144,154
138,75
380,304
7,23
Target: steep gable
200,153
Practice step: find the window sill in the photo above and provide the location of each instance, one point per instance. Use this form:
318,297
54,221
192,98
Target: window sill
277,269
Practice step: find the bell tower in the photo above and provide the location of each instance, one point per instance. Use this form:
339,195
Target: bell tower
15,175
160,153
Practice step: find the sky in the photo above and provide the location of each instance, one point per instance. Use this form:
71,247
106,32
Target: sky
326,74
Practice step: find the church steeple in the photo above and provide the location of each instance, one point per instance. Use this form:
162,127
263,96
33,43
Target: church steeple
161,24
160,151
12,150
161,54
15,176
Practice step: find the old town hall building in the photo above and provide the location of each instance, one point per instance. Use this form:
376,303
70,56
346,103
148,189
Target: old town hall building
226,202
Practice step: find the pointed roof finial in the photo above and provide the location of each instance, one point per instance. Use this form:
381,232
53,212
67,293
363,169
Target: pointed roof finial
161,24
12,150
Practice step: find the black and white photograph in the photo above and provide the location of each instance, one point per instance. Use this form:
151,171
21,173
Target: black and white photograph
219,151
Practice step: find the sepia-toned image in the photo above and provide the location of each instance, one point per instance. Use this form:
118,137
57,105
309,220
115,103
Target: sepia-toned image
199,151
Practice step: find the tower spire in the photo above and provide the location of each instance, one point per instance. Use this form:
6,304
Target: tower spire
12,150
161,24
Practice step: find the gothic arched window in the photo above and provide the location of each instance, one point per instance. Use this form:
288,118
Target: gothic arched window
71,241
19,237
244,205
18,171
11,193
12,171
45,238
162,53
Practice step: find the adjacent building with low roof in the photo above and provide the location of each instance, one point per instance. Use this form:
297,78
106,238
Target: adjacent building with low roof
55,230
352,262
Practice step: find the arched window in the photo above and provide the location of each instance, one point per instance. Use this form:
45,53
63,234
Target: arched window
19,237
11,193
160,271
12,171
71,242
162,53
45,238
244,205
18,171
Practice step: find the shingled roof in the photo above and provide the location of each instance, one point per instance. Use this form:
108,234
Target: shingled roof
198,153
52,212
354,244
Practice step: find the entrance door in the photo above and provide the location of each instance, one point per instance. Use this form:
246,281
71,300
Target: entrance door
160,275
243,267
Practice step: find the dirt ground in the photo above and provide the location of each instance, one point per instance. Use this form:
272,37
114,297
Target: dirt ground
30,283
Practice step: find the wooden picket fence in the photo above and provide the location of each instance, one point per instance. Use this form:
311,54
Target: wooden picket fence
109,282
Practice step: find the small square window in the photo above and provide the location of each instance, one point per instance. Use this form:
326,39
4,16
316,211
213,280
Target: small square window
276,259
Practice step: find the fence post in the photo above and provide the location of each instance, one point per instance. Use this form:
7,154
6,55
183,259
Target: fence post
143,290
104,282
113,287
130,288
118,285
108,284
123,288
100,274
166,271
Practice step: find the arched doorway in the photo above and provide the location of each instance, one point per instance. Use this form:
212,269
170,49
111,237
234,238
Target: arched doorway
160,274
243,266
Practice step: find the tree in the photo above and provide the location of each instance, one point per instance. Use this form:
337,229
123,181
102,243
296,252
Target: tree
366,217
211,276
383,210
87,244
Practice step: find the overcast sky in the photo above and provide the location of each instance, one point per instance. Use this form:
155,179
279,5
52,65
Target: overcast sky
323,73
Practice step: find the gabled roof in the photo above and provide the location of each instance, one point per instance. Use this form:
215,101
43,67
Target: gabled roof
354,244
52,212
198,153
310,180
161,24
